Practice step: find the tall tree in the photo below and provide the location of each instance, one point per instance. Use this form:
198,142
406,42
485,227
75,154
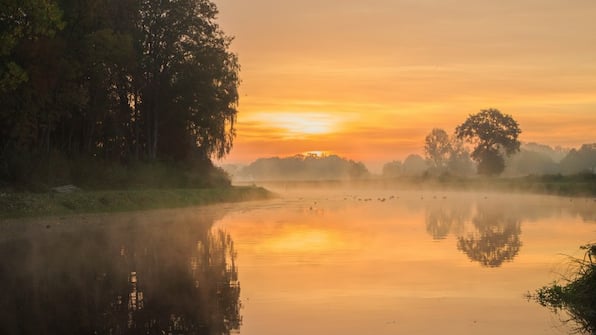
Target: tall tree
494,135
459,162
188,79
114,80
30,68
437,147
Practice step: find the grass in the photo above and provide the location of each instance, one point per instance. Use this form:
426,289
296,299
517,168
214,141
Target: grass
576,295
27,204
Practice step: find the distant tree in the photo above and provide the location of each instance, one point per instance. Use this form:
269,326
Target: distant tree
437,147
459,162
556,154
414,165
392,169
528,162
303,167
494,135
582,160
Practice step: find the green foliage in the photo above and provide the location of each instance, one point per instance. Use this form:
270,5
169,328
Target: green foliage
20,204
577,296
494,135
23,21
120,82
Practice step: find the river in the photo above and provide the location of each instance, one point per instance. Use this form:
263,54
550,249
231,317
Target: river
313,261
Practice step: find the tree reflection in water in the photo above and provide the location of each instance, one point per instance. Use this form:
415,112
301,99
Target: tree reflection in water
496,239
165,278
495,236
445,218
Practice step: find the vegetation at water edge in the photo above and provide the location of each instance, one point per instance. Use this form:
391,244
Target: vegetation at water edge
576,295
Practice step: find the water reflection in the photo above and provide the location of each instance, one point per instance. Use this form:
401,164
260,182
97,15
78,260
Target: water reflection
495,239
485,232
176,277
445,217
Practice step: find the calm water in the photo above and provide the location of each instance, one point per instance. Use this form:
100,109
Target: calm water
311,262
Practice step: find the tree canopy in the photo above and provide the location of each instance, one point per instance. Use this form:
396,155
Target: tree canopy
303,167
437,147
494,135
120,81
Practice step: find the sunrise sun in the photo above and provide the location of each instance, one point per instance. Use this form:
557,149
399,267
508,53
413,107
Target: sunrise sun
299,124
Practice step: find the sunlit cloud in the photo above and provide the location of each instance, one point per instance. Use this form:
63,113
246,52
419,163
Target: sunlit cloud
296,124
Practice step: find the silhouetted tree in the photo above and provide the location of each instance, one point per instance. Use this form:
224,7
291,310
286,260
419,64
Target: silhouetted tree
437,147
494,135
115,82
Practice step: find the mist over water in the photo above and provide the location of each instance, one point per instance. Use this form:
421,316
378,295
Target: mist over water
353,261
316,260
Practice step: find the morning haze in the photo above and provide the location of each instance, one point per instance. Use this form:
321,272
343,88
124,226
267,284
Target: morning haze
318,167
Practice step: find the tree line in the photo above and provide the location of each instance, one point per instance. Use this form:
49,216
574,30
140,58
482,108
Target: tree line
302,167
114,81
486,143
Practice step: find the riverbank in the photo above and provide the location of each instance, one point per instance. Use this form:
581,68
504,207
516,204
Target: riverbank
27,204
574,294
579,185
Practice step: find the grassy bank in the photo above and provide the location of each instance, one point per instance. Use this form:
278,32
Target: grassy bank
24,204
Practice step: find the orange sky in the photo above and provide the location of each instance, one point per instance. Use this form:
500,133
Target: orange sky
369,79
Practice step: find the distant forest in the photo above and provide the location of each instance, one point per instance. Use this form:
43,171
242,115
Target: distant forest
300,167
103,86
532,159
486,143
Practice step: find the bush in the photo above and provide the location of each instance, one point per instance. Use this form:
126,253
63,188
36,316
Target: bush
577,296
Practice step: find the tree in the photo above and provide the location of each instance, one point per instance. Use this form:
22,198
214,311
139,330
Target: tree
188,80
437,148
459,162
494,135
21,21
582,160
114,82
392,169
301,167
414,165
